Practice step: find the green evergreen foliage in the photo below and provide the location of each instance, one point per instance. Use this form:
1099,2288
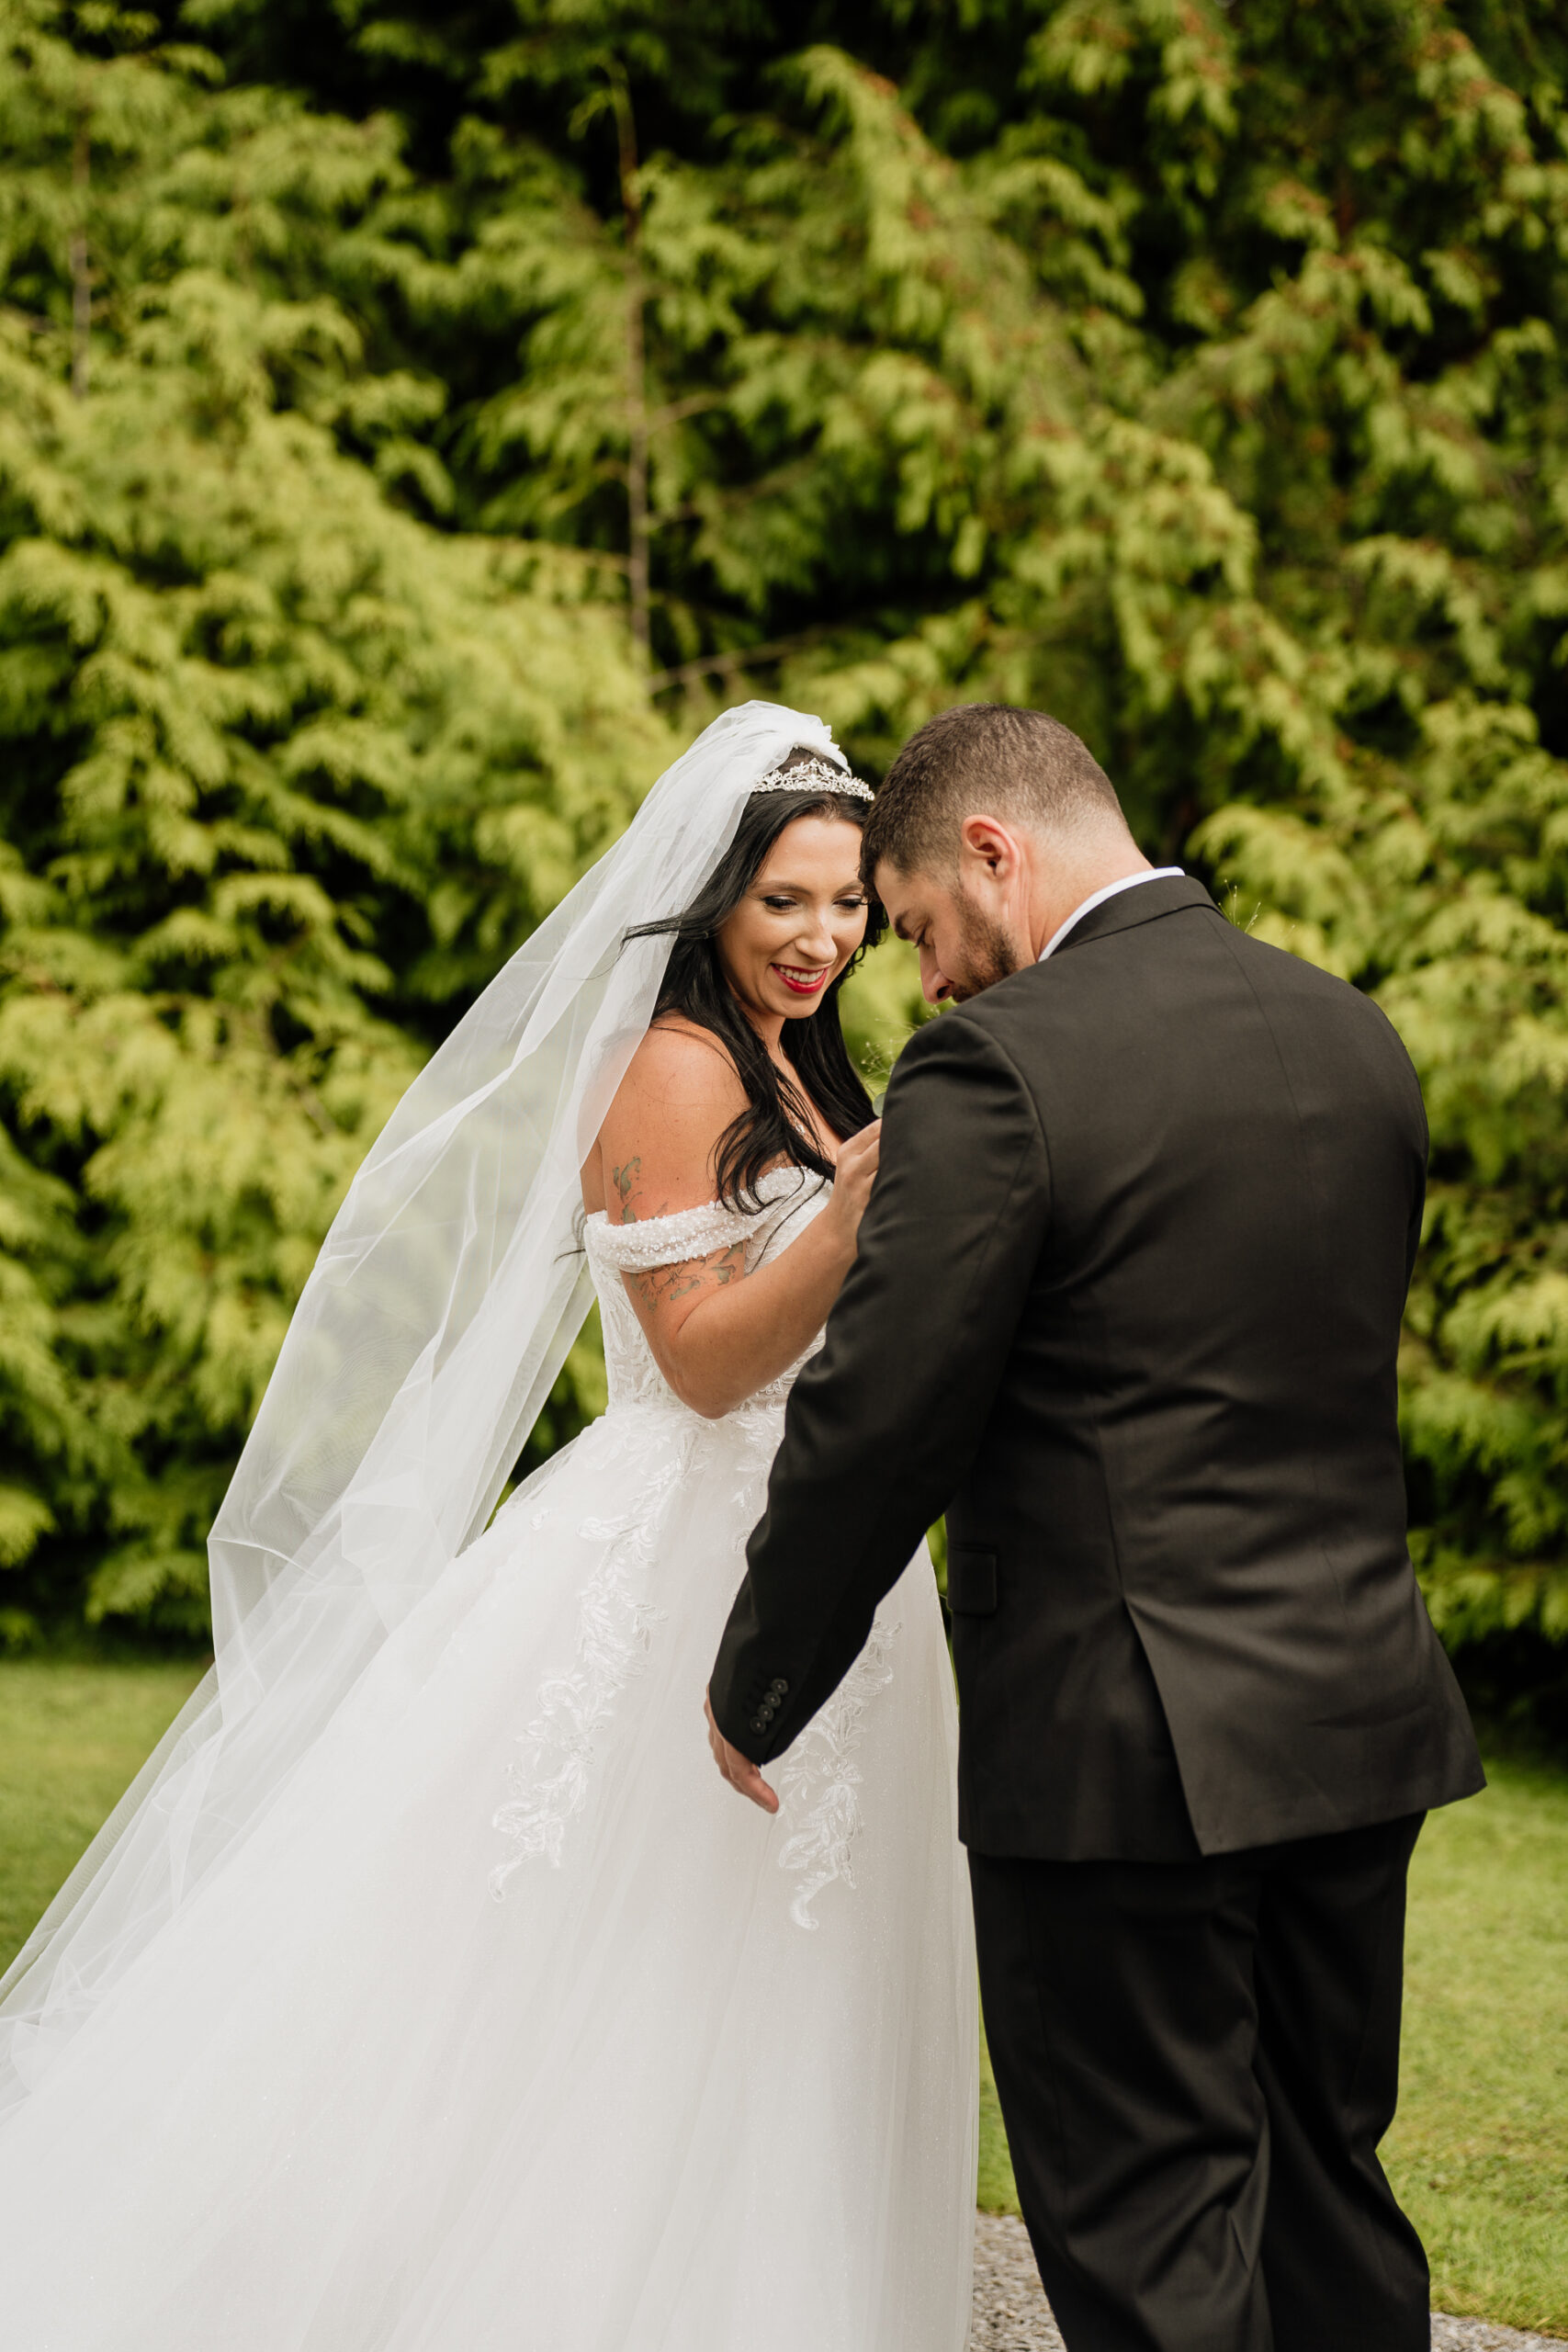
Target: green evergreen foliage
393,385
289,772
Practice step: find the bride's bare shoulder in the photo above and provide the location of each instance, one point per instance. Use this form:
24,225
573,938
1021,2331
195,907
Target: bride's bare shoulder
682,1067
656,1147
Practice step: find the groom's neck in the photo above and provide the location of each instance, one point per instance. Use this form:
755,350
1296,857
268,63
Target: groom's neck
1063,873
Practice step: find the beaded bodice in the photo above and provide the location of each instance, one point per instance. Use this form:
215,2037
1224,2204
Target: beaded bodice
789,1199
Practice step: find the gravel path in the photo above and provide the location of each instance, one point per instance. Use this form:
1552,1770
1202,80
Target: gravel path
1480,2335
1011,2314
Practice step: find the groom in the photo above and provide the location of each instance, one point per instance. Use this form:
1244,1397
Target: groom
1127,1307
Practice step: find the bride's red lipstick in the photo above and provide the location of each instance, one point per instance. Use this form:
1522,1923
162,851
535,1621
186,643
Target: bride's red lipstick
799,986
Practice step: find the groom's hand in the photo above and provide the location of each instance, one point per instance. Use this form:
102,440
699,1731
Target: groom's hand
738,1769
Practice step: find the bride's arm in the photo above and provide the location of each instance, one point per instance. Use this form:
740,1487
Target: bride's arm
717,1333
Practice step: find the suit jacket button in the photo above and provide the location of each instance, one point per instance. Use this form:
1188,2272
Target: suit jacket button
759,1723
779,1689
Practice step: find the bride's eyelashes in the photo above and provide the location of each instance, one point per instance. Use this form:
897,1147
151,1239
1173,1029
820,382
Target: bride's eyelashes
851,904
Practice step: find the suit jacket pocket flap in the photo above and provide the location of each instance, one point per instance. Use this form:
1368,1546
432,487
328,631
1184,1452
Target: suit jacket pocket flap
971,1582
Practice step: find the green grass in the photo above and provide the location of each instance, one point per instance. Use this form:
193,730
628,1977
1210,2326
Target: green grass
995,2191
71,1735
1479,2154
1480,2151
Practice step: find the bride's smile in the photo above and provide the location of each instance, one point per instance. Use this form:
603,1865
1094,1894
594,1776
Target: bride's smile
799,924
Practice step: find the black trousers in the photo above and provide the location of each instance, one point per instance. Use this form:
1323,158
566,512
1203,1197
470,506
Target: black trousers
1196,2062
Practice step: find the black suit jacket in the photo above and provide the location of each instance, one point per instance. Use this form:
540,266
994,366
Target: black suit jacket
1127,1306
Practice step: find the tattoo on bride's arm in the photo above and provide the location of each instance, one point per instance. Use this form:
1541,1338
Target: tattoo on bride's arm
667,1283
624,1179
627,1181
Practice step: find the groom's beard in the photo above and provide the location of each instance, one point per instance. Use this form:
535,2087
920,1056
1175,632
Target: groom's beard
986,954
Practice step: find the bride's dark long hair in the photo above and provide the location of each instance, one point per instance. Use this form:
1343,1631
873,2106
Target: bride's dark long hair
775,1125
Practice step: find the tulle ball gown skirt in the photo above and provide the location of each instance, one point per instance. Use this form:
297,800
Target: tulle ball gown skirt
692,2080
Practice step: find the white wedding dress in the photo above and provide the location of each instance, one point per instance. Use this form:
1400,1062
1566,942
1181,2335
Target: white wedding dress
510,2027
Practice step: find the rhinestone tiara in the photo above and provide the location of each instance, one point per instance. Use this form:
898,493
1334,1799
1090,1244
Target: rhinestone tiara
812,776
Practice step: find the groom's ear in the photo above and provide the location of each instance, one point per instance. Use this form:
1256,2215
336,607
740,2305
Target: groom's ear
987,842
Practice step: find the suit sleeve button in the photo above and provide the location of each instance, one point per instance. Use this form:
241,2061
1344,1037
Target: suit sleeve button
759,1723
779,1689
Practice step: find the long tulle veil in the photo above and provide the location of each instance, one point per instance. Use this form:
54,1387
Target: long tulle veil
429,1334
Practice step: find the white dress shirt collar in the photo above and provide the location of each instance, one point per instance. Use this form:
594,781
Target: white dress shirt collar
1098,899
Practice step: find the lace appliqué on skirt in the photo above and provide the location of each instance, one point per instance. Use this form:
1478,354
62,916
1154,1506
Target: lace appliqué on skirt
820,1780
615,1628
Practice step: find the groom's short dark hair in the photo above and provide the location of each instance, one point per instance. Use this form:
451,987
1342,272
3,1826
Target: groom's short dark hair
981,755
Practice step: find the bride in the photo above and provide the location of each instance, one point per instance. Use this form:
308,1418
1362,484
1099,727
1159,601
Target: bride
430,1993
